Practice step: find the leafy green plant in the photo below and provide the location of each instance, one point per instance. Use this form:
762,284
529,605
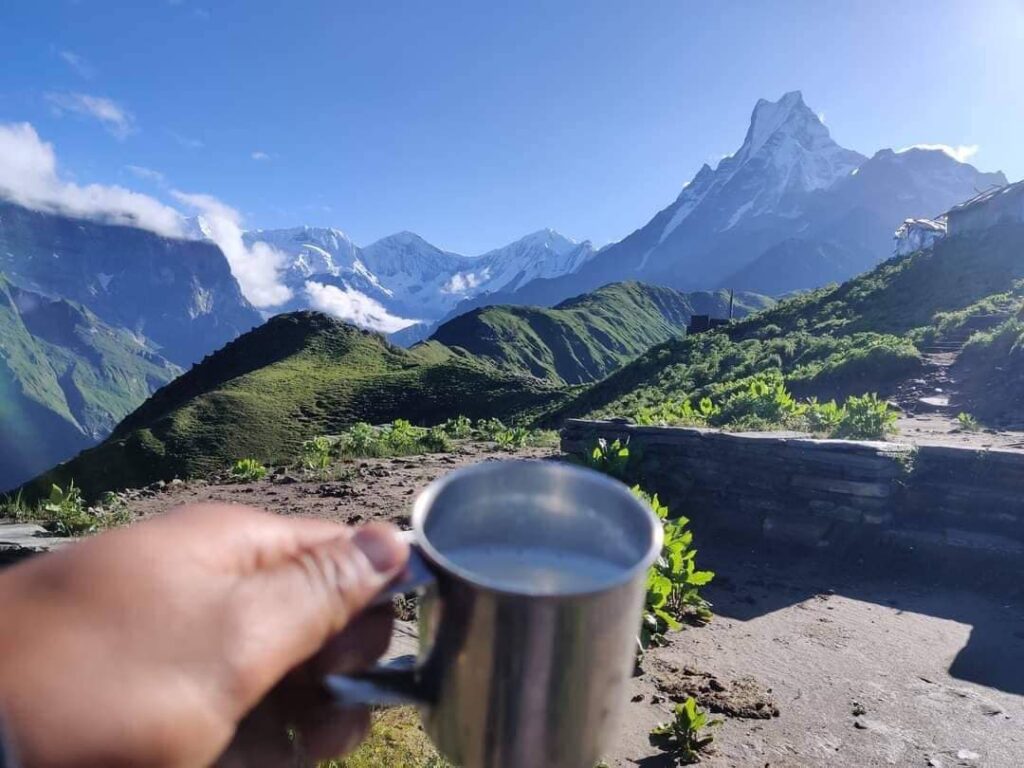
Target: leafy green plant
458,428
401,437
673,582
316,454
512,439
489,429
65,514
248,470
965,422
436,440
866,418
684,737
763,403
824,418
611,458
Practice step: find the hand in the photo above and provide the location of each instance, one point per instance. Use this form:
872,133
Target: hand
194,638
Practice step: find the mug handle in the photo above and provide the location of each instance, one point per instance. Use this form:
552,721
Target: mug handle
396,683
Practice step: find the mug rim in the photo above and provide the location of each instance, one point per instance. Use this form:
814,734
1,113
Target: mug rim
426,499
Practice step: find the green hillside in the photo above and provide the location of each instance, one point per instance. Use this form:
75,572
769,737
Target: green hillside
66,379
297,376
860,336
585,338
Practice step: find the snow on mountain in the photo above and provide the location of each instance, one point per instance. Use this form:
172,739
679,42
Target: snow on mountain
402,278
787,151
790,209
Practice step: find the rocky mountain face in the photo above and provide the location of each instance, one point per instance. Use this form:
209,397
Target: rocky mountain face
406,276
789,210
179,294
66,378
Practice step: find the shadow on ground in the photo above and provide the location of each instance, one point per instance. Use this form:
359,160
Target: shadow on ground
758,580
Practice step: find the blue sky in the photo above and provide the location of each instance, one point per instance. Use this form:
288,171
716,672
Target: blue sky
473,125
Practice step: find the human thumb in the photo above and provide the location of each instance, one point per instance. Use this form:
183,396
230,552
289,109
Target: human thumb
299,604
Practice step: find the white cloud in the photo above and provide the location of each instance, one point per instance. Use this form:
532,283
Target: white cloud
256,268
146,174
260,155
78,63
961,153
115,118
461,282
353,306
29,176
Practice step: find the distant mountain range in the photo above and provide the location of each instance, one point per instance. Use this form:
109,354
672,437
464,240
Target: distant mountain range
403,277
789,210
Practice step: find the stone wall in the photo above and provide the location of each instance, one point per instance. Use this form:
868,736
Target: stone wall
827,493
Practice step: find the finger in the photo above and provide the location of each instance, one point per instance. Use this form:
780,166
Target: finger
359,645
285,614
330,731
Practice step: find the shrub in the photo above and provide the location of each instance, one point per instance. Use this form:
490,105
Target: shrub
64,512
673,582
458,428
866,418
489,429
610,458
824,418
436,440
683,737
248,470
763,403
401,437
512,439
361,439
316,454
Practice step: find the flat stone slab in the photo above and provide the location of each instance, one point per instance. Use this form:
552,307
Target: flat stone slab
21,540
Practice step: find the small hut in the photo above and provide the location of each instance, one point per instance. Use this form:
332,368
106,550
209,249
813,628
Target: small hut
987,209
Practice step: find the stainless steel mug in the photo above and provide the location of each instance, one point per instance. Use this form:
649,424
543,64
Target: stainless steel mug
520,675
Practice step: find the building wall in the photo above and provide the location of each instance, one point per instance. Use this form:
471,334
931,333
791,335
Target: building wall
940,500
988,214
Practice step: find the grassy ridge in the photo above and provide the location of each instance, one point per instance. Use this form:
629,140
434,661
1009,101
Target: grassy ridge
841,340
585,338
297,376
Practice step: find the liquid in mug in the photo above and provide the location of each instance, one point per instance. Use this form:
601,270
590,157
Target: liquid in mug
535,570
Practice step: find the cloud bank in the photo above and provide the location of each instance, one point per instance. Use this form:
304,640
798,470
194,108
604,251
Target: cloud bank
257,267
353,306
115,118
961,153
29,176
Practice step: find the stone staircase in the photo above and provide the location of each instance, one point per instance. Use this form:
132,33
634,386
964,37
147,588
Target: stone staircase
935,390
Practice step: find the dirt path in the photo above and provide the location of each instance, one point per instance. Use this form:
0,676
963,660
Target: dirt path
864,670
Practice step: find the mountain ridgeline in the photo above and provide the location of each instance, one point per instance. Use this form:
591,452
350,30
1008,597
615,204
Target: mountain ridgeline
299,375
585,338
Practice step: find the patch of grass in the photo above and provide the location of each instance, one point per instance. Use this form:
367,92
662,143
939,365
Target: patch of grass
396,739
64,512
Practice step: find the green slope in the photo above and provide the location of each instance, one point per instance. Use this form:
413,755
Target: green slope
585,338
297,376
66,379
856,337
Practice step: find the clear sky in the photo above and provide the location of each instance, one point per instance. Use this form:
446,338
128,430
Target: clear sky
473,125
